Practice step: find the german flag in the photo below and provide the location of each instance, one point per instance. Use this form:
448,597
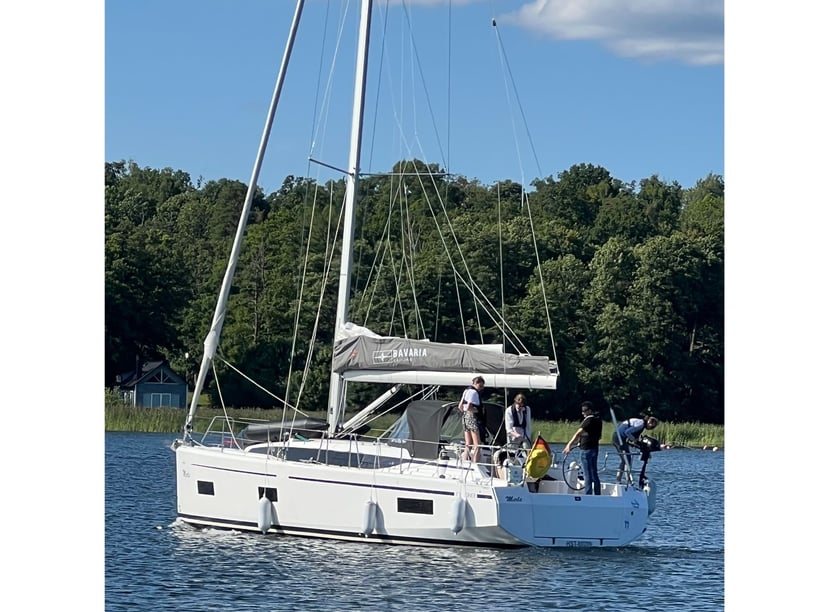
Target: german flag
539,459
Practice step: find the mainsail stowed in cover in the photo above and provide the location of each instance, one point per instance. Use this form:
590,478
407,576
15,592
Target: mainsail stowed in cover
363,356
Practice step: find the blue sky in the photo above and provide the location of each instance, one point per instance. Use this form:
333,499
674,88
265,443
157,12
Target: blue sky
635,86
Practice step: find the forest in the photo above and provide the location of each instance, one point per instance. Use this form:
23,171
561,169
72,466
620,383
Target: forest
634,278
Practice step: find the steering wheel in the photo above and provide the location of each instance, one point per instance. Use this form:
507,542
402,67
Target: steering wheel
572,471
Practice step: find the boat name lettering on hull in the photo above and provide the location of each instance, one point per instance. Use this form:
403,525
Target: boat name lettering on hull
512,498
577,544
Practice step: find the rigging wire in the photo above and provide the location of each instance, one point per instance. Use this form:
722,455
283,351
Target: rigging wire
541,278
404,263
423,81
299,301
509,82
320,122
508,74
479,296
318,117
385,253
501,282
481,301
227,418
257,384
383,53
368,293
328,253
400,123
409,242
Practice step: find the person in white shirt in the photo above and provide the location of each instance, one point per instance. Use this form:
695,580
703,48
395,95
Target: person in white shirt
518,423
471,405
627,433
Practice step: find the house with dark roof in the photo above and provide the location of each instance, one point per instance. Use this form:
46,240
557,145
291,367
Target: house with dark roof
153,385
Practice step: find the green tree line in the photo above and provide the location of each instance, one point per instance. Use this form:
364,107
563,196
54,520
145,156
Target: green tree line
633,272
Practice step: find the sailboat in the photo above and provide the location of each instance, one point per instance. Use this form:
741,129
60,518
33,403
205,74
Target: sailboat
414,483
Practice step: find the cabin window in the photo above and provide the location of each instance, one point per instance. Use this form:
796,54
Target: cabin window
206,488
270,494
414,506
353,459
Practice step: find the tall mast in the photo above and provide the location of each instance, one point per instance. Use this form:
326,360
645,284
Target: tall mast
214,335
336,388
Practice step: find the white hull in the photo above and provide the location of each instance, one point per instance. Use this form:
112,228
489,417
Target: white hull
412,504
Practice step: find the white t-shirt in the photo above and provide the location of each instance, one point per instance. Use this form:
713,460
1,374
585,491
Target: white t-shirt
470,396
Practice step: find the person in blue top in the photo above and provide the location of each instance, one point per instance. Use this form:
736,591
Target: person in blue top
628,432
589,436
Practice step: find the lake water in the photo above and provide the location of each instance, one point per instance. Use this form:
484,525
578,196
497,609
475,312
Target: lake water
154,563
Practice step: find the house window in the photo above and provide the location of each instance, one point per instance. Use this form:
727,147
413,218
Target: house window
157,400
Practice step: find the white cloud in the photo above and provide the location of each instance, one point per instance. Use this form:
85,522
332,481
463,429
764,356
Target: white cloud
690,31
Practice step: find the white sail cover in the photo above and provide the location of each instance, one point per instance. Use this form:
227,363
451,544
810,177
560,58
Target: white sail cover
363,356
